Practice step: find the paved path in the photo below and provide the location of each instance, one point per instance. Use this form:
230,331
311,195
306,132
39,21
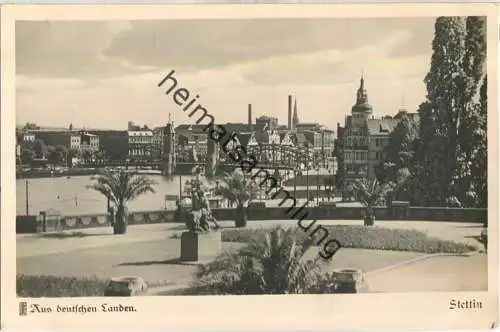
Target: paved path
146,250
35,245
443,273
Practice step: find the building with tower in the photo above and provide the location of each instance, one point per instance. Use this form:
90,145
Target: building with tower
363,138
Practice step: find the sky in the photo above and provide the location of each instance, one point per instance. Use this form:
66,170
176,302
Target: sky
103,74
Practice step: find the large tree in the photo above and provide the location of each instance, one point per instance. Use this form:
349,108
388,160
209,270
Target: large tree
479,163
399,153
473,116
40,149
446,144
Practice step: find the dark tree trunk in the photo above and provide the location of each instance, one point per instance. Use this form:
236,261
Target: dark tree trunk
241,217
369,218
120,225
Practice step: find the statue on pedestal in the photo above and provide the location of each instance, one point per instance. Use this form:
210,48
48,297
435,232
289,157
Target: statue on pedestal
200,219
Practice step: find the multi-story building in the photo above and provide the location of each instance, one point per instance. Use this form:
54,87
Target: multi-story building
75,143
140,144
315,140
113,143
88,142
28,137
192,138
265,122
363,138
50,137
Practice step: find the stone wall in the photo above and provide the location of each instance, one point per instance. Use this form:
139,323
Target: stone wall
25,224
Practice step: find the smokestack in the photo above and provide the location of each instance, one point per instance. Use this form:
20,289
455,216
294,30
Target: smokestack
290,112
249,114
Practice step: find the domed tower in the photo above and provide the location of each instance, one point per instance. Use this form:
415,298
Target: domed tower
362,110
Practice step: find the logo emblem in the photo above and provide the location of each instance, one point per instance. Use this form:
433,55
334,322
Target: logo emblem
23,308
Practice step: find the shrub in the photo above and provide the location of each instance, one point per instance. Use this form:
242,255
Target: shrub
50,286
272,264
354,236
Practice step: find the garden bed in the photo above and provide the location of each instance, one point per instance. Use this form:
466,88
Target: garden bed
361,237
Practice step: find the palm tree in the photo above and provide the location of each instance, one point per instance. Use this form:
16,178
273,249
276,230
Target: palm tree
370,193
120,188
273,264
238,189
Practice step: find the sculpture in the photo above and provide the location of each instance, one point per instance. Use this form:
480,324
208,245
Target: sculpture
200,219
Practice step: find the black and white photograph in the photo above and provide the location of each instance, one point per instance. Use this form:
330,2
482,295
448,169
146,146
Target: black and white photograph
253,156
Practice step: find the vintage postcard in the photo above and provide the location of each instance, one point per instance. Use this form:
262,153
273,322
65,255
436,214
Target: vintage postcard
249,166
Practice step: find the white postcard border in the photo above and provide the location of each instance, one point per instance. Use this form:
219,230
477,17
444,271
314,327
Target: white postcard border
409,310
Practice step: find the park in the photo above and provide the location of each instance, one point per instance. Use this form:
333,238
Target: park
82,258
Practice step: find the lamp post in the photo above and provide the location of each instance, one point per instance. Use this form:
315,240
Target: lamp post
307,173
180,196
295,182
317,184
27,198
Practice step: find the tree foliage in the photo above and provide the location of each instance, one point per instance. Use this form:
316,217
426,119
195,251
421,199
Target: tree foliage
121,187
399,153
450,133
238,188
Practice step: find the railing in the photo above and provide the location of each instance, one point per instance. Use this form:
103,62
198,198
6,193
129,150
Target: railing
31,224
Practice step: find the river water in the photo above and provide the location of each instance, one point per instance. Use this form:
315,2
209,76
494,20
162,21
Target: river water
71,196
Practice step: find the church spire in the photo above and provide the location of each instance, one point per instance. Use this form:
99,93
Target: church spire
362,95
362,104
295,115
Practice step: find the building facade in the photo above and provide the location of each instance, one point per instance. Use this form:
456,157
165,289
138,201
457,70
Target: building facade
140,144
363,138
194,140
266,123
88,142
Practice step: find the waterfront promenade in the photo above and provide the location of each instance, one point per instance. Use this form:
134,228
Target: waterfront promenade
151,252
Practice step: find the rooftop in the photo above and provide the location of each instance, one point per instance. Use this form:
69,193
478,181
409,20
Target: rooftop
381,126
140,133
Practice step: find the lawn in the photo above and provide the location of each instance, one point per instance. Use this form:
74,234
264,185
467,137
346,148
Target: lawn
361,237
85,272
157,262
51,286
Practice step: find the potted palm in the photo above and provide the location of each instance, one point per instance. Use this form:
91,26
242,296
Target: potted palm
370,193
120,188
238,189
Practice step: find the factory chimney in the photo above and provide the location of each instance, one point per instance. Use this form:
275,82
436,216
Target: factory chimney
249,114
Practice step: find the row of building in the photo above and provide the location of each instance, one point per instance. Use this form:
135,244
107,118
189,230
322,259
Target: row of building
361,140
141,142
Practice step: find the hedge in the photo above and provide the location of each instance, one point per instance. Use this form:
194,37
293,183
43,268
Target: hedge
51,286
361,237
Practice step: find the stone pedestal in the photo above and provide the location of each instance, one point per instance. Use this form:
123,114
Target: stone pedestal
350,281
126,286
200,247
